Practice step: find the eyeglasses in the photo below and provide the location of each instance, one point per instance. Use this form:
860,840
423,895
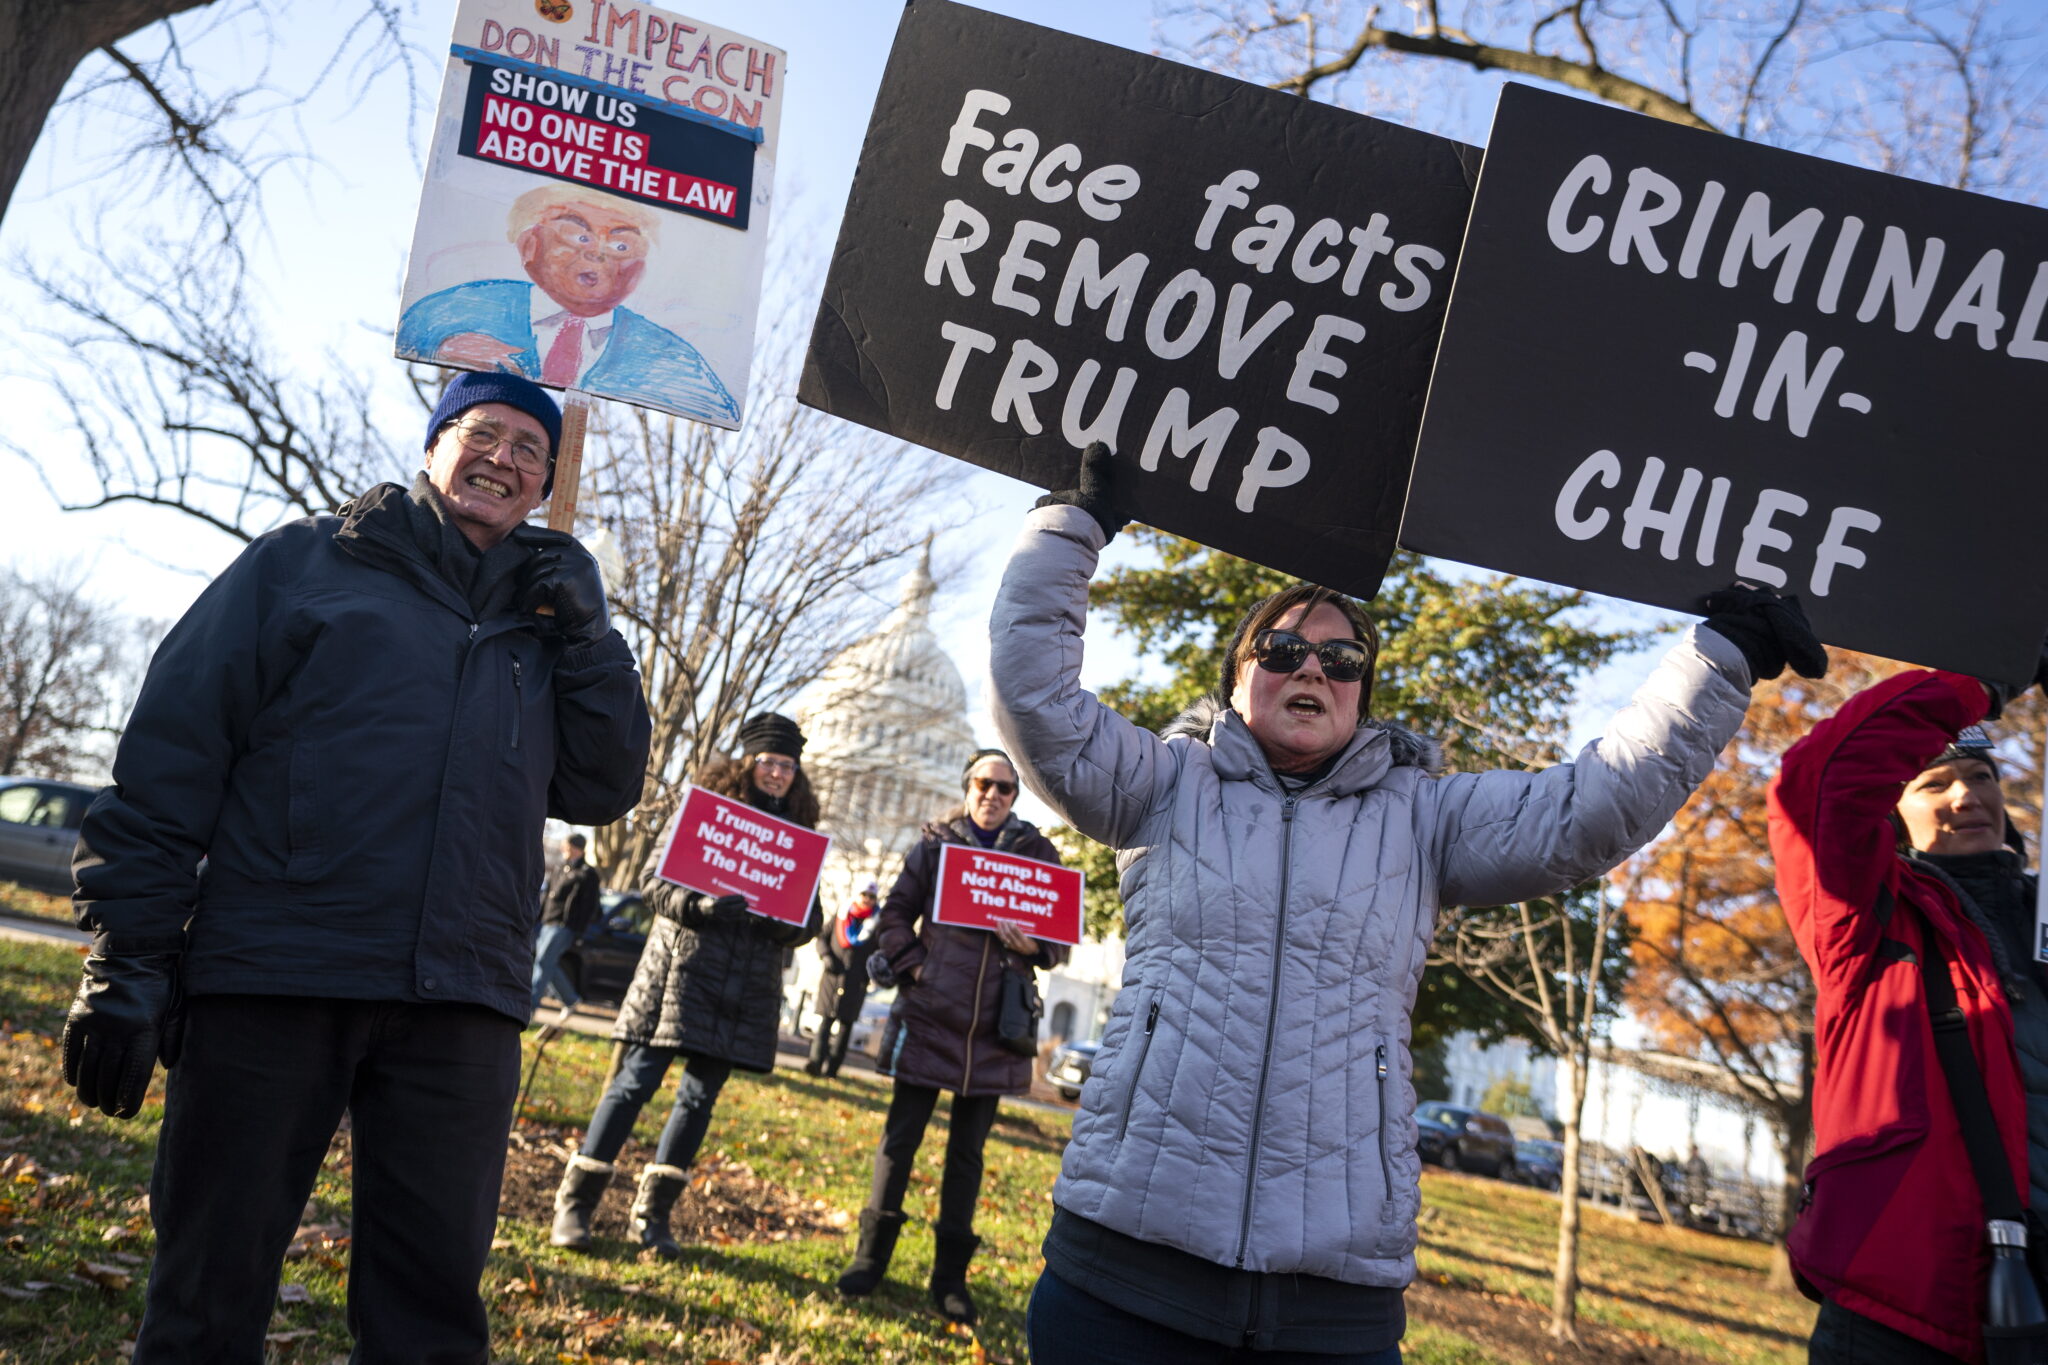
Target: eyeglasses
995,784
485,437
1282,651
774,765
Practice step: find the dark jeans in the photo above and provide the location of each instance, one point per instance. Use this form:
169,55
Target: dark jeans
248,1114
640,1074
1843,1337
1068,1327
910,1109
828,1045
548,976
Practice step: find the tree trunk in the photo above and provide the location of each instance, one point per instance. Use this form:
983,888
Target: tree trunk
1564,1297
1795,1131
41,44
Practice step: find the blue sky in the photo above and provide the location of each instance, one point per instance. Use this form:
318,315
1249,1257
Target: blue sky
332,259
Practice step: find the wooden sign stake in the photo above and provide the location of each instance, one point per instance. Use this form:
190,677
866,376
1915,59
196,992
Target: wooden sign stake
569,462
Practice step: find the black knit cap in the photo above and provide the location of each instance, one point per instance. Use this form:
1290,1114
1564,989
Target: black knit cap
1974,743
769,733
976,757
473,389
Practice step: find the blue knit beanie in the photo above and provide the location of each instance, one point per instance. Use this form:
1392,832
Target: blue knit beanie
472,387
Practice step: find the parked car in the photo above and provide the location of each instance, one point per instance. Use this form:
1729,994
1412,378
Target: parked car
39,829
600,964
1464,1139
1071,1065
1538,1162
866,1036
874,1009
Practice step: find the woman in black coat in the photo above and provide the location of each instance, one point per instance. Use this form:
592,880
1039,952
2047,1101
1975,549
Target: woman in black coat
942,1034
708,990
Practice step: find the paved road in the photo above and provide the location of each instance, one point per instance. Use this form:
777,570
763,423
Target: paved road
24,929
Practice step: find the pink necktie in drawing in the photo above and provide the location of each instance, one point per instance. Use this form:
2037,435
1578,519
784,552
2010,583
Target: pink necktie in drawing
565,357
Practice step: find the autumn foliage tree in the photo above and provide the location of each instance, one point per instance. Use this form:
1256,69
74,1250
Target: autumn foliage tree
1560,966
1718,975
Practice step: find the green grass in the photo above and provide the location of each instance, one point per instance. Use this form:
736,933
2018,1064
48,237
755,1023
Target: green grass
1687,1291
72,1187
20,900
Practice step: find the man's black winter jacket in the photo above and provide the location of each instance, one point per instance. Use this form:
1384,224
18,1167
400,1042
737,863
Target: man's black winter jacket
571,896
365,767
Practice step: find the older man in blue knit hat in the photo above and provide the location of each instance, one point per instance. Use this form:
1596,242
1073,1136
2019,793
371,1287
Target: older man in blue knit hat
314,880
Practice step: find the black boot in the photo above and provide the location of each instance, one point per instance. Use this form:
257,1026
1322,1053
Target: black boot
659,1186
583,1184
950,1255
878,1233
821,1042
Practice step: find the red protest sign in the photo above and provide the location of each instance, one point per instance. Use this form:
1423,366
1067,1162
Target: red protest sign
979,889
723,847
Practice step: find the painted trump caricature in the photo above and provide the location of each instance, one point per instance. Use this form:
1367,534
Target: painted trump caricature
566,324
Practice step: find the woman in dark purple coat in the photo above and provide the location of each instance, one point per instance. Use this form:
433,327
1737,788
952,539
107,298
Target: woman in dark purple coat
942,1034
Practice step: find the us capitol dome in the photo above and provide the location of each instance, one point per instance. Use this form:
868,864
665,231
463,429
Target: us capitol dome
886,736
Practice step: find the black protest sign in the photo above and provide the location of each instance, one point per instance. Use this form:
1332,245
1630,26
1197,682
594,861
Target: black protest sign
1674,359
1051,241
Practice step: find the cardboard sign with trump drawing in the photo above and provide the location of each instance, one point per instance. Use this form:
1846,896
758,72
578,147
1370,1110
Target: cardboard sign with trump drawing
596,203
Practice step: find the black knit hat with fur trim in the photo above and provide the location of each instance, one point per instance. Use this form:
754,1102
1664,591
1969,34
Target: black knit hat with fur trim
769,733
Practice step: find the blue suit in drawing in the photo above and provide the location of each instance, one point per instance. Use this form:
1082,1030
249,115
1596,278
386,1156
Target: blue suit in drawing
642,362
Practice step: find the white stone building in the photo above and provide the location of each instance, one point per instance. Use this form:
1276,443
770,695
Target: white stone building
1635,1097
886,737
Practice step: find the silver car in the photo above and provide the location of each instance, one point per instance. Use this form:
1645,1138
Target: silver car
39,829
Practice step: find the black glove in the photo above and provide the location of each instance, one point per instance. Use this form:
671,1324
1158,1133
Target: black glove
1769,629
695,910
881,972
126,1014
2002,693
1097,494
563,576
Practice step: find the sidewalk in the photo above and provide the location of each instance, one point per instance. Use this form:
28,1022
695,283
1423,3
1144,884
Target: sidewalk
29,929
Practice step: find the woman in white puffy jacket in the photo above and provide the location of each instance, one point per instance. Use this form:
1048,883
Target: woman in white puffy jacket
1242,1183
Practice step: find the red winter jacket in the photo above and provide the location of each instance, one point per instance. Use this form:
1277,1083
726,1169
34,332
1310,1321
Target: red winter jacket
1892,1226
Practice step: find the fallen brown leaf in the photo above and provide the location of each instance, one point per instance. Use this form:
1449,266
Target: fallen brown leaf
105,1276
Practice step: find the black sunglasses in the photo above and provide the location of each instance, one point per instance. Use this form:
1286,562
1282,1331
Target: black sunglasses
1282,651
995,784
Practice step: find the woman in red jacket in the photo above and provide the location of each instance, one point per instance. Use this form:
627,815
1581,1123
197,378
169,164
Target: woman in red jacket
1888,834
